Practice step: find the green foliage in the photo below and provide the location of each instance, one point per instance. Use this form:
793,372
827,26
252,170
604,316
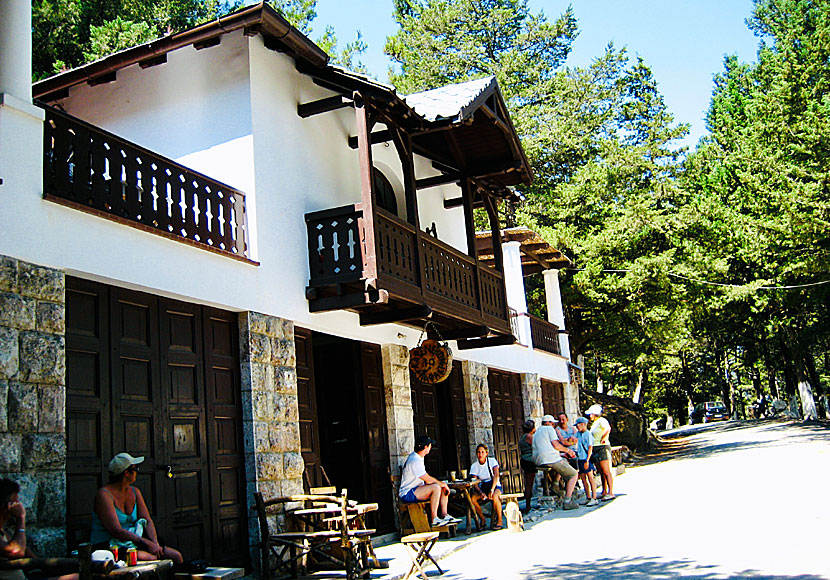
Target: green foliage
115,35
643,222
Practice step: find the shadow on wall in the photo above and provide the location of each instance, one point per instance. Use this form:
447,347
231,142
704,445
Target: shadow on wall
642,568
628,419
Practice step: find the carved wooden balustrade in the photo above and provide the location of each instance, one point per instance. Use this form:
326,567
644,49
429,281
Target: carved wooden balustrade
545,335
93,170
410,264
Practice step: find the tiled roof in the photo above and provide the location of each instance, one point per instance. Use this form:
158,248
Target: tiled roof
451,101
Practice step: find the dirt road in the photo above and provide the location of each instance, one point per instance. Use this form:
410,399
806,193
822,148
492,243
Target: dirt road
730,500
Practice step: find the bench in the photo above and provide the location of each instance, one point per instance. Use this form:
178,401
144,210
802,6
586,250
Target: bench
288,551
415,520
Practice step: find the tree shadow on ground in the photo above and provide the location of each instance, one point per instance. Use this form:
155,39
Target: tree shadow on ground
642,568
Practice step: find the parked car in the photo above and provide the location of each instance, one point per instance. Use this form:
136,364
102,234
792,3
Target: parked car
709,411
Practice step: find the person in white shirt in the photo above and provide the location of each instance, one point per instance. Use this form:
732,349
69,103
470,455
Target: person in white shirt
546,453
418,485
487,470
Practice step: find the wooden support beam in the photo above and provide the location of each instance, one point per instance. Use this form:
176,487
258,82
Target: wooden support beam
339,302
377,137
306,110
366,223
208,42
437,180
462,333
402,315
486,342
454,202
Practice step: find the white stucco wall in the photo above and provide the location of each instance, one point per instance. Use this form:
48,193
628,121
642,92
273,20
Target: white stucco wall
228,111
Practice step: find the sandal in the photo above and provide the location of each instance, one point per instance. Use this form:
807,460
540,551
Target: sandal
497,526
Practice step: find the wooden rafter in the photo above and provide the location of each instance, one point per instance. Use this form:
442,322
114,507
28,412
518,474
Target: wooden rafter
334,103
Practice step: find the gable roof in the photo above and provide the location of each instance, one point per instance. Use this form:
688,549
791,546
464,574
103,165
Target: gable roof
451,102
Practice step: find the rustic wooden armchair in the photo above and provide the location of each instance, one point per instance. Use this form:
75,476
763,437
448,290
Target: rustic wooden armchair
288,552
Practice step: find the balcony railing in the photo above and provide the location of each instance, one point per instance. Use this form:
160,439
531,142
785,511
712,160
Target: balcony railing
545,335
411,265
90,169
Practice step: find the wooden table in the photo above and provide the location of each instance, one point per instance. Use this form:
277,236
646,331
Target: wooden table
325,517
156,568
463,486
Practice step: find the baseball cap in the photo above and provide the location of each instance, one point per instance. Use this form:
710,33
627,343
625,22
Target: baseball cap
121,462
581,420
594,410
422,441
549,419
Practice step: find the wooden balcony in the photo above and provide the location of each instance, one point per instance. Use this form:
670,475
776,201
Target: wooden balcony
544,334
417,276
89,169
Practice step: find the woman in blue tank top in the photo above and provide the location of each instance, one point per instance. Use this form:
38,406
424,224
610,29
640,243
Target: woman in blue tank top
121,517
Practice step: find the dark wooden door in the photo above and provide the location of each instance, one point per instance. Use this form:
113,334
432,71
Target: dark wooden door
507,411
439,411
307,402
427,413
460,458
172,395
553,397
379,472
87,402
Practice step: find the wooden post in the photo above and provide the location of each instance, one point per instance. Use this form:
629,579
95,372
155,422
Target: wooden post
495,229
403,143
467,194
367,222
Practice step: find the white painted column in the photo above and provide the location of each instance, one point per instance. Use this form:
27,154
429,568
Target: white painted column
556,314
515,286
16,49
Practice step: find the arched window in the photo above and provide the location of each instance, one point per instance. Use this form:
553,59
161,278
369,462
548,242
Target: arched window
385,192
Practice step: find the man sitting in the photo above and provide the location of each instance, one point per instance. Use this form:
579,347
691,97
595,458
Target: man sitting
546,453
418,485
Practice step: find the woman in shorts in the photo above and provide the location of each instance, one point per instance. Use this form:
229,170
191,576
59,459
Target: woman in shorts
601,431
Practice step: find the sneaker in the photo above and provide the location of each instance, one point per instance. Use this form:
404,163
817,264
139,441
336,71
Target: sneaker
437,522
608,497
570,505
582,501
592,503
447,520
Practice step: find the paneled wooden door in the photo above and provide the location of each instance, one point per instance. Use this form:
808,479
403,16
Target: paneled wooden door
439,412
507,411
553,398
158,378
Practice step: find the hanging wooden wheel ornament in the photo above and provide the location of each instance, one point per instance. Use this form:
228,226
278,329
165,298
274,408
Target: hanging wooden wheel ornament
431,362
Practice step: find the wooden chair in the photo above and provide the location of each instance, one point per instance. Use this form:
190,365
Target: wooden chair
418,547
287,551
415,520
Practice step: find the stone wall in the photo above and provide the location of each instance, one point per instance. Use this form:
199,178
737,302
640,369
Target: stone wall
477,402
399,415
273,458
532,397
32,397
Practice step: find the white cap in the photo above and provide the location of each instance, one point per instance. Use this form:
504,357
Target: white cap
549,419
594,410
121,462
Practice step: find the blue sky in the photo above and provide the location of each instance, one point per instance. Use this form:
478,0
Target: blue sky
683,41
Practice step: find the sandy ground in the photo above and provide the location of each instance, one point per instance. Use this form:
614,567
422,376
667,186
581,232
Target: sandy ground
730,500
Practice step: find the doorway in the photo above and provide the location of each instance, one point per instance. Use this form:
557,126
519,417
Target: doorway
343,420
157,378
439,412
506,409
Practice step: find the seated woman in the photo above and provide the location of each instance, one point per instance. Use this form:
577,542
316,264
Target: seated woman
121,517
13,545
487,470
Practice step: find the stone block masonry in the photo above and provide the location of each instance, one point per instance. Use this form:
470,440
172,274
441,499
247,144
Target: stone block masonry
33,395
532,397
270,407
399,415
477,402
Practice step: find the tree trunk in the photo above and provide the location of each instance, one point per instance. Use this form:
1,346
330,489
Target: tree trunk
790,377
600,385
805,393
772,384
641,381
720,361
